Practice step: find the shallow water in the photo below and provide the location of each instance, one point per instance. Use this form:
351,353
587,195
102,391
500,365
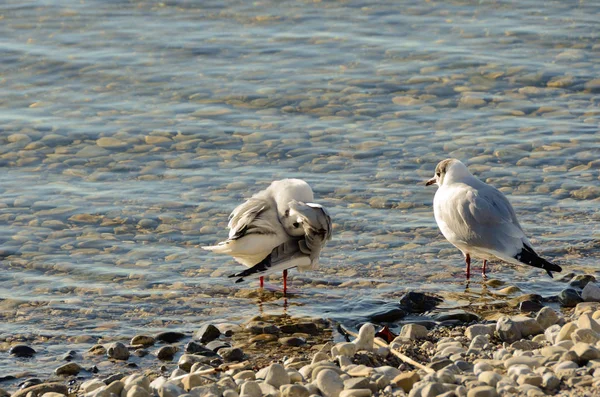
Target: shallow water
130,131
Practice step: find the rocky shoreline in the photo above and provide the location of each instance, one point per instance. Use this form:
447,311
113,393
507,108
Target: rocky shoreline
542,352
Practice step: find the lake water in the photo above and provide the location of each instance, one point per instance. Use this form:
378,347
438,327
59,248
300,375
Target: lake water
130,130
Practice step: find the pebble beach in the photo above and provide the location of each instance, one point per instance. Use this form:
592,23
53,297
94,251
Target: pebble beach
130,130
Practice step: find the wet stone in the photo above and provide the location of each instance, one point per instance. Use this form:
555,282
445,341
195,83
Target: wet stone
170,336
417,302
305,328
143,340
68,369
457,315
230,354
529,306
569,298
196,348
216,345
166,353
118,351
207,333
21,351
261,327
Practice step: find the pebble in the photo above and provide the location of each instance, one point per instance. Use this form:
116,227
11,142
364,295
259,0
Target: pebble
565,332
585,352
356,393
413,331
118,351
366,337
196,348
276,375
569,298
231,354
166,353
329,383
292,341
508,330
591,292
406,380
479,330
207,333
489,377
250,389
547,317
41,389
143,340
68,369
482,391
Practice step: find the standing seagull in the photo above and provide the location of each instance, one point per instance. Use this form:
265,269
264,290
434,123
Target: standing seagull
479,220
276,229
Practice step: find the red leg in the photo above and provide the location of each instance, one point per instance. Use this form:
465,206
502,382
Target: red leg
483,271
468,262
285,282
262,282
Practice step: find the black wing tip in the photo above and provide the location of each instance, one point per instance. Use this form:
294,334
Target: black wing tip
529,257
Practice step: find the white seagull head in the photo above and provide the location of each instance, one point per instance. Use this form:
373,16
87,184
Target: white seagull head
449,171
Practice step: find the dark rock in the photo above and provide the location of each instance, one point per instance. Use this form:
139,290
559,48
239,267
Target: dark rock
464,365
112,378
230,354
292,341
581,280
530,306
261,327
305,328
132,365
170,336
141,352
166,353
93,369
569,298
389,313
457,315
196,348
207,333
417,302
29,382
437,365
70,355
216,345
566,277
21,351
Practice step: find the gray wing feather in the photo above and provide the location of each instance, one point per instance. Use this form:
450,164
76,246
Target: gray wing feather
486,219
317,231
242,219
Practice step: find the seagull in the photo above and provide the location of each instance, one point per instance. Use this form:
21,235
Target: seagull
479,220
277,229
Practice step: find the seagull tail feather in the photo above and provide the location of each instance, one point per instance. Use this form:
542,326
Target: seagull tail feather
529,257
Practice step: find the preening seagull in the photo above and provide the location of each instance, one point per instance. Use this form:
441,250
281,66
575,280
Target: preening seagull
277,229
479,220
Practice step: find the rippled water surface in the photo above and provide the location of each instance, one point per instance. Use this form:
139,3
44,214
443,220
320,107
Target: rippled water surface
130,130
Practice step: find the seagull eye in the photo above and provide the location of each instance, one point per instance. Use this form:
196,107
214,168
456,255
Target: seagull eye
438,174
295,224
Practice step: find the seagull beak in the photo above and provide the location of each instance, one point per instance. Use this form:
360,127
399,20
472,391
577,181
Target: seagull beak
430,182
